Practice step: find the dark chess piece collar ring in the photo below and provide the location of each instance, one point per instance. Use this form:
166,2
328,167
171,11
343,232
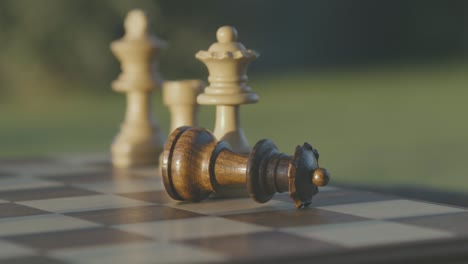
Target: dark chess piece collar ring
195,165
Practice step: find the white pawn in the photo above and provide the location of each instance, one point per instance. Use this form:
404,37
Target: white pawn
140,141
227,62
181,99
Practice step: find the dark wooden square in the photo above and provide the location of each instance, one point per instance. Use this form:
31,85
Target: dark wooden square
293,217
261,245
129,215
17,210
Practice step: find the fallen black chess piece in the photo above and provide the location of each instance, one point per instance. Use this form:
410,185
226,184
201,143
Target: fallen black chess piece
195,165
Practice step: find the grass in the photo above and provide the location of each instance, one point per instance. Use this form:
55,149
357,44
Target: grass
384,126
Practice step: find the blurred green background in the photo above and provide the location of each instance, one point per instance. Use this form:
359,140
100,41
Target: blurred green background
379,87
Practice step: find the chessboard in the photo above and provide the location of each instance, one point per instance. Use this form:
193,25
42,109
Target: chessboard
78,209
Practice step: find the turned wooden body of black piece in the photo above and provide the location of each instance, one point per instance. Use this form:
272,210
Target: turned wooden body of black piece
195,165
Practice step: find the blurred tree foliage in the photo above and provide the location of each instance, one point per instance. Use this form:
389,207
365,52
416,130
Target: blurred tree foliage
62,46
55,46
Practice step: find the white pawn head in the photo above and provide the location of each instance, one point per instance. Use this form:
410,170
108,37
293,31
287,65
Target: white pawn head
136,24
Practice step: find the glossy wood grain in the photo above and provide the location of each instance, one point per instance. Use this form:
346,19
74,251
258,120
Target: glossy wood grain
195,165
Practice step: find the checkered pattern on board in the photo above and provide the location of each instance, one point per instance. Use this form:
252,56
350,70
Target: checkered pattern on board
77,209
